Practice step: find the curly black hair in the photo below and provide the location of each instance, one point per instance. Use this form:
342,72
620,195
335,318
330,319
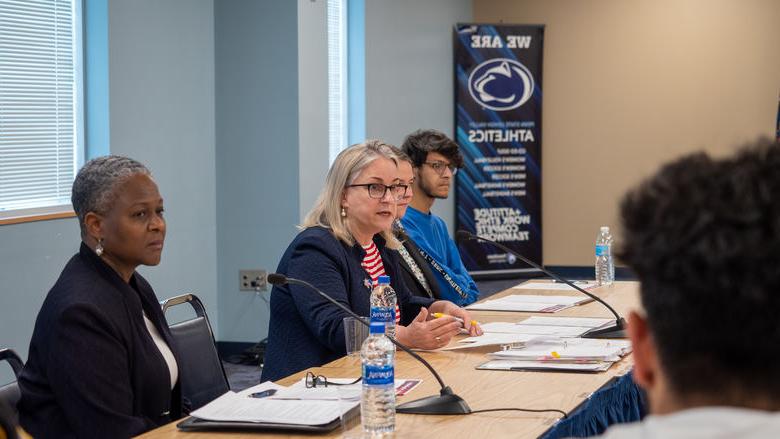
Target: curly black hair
703,237
418,144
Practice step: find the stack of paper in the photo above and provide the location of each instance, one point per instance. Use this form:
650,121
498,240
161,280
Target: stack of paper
552,353
579,350
519,328
491,339
239,407
297,404
530,303
556,286
552,326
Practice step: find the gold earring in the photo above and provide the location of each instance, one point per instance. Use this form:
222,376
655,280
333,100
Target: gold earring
99,247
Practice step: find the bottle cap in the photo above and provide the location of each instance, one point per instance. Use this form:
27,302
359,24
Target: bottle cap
376,328
604,229
384,280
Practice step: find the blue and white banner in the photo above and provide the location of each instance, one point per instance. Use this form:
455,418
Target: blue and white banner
498,123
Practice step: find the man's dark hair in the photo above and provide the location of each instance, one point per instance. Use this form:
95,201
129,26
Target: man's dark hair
418,144
703,237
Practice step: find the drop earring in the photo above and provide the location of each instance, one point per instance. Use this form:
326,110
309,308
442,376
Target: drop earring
343,212
99,247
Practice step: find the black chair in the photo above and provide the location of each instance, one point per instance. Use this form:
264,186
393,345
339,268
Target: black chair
201,373
10,392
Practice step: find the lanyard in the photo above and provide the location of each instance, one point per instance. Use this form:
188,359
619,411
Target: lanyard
446,275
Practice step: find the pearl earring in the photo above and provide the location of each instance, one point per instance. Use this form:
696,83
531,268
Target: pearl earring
343,212
99,247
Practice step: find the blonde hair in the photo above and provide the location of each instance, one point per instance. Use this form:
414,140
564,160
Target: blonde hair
348,164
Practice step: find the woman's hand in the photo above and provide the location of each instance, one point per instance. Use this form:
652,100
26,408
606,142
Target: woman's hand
449,308
428,334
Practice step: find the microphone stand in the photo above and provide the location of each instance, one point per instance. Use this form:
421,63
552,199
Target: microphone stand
615,330
446,403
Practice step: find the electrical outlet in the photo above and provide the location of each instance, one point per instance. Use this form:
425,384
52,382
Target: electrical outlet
252,280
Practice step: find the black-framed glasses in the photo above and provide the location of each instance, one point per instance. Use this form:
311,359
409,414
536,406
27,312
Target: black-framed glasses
378,190
313,381
439,167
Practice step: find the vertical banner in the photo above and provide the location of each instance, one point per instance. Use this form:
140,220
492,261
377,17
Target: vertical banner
498,123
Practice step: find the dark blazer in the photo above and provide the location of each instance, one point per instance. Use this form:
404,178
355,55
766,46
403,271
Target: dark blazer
414,285
306,330
93,369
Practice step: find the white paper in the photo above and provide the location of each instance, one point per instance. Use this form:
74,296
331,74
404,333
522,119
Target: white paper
520,364
511,305
240,408
488,339
588,322
334,393
538,298
555,286
518,328
572,349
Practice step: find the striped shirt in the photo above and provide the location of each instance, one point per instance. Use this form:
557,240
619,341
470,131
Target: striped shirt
372,263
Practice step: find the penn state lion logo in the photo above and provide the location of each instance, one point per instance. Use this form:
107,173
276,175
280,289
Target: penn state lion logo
501,84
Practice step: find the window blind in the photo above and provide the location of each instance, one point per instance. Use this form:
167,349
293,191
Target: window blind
39,62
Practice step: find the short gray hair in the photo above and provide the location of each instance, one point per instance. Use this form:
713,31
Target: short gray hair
347,166
95,185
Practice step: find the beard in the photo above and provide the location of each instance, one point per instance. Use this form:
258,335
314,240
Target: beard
430,190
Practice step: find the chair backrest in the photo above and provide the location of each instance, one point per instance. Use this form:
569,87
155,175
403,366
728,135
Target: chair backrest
200,369
10,392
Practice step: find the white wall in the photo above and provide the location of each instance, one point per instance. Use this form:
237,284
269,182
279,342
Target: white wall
161,67
409,71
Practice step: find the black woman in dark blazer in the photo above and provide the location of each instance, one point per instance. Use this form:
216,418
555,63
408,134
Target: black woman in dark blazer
102,362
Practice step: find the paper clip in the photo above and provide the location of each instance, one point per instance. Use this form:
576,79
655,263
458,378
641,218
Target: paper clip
512,346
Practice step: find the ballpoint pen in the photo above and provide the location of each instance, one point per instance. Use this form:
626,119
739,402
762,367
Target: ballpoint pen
263,394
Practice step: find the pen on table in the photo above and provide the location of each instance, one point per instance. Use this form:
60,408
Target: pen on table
263,394
437,315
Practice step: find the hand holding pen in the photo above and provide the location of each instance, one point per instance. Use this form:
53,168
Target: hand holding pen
472,329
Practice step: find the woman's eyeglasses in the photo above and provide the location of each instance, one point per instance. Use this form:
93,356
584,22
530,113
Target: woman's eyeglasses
439,167
378,190
313,381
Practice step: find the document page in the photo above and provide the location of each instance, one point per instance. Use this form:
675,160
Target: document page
240,407
555,286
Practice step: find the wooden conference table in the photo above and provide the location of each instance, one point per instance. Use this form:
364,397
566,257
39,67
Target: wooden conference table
481,389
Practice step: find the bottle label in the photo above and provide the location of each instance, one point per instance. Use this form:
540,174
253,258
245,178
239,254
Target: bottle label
378,375
382,314
602,250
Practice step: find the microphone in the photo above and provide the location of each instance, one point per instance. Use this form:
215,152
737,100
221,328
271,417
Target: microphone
446,403
616,330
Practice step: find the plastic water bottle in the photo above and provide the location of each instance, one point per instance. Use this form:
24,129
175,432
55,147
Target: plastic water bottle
605,265
377,402
384,304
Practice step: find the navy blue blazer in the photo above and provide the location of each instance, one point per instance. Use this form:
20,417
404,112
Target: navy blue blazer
93,369
308,331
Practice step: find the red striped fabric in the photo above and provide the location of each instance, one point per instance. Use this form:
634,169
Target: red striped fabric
372,263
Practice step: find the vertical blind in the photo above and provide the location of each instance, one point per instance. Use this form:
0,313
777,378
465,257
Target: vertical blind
38,97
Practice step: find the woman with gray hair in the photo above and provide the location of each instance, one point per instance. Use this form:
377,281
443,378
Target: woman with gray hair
101,360
345,245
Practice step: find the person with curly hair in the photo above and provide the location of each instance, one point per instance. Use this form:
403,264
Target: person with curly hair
703,237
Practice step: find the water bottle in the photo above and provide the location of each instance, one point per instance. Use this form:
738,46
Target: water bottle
384,305
377,402
605,265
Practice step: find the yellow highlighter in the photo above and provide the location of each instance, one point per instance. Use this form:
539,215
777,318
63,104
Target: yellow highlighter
438,315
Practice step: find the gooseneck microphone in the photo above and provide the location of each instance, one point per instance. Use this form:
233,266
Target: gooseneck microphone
446,403
616,330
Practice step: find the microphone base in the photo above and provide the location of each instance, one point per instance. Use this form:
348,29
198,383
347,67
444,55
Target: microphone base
615,330
447,403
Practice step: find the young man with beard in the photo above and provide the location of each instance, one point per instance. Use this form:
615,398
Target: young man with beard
436,159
